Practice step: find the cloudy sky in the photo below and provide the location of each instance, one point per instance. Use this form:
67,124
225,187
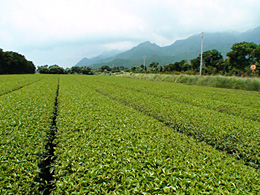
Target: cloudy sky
64,31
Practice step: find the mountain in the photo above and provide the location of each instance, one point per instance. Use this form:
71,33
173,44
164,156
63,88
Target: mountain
251,35
190,48
83,62
98,59
222,41
150,48
135,56
181,49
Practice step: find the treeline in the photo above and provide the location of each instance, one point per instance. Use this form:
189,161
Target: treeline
238,62
55,69
15,63
114,69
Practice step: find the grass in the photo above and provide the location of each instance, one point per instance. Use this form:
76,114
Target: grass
250,84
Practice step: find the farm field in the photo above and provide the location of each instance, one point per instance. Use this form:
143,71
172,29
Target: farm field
75,134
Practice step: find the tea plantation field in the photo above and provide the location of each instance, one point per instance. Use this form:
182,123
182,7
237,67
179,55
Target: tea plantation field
75,134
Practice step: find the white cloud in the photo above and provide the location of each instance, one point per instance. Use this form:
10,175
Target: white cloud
91,26
69,20
122,45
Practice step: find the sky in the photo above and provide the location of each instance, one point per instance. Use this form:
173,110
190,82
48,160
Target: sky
62,32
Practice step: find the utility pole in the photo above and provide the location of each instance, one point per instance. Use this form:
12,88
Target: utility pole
144,62
201,55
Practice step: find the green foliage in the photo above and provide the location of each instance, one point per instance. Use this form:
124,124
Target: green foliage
15,63
211,62
233,103
11,83
105,68
43,69
142,68
177,66
238,63
242,55
80,70
106,145
153,65
25,118
55,69
127,136
256,54
213,127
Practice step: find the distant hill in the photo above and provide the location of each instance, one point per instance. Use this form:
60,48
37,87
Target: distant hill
180,50
98,59
84,62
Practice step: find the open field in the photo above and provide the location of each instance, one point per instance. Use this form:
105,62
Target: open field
75,134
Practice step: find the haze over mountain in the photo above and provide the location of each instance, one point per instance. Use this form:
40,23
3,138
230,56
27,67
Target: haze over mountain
88,61
185,49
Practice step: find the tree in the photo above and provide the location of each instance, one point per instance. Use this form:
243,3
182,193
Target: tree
184,65
3,65
223,66
256,54
160,68
211,58
118,69
105,68
134,68
86,70
195,63
75,69
242,55
55,69
211,61
15,63
176,66
43,69
154,65
168,67
143,67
